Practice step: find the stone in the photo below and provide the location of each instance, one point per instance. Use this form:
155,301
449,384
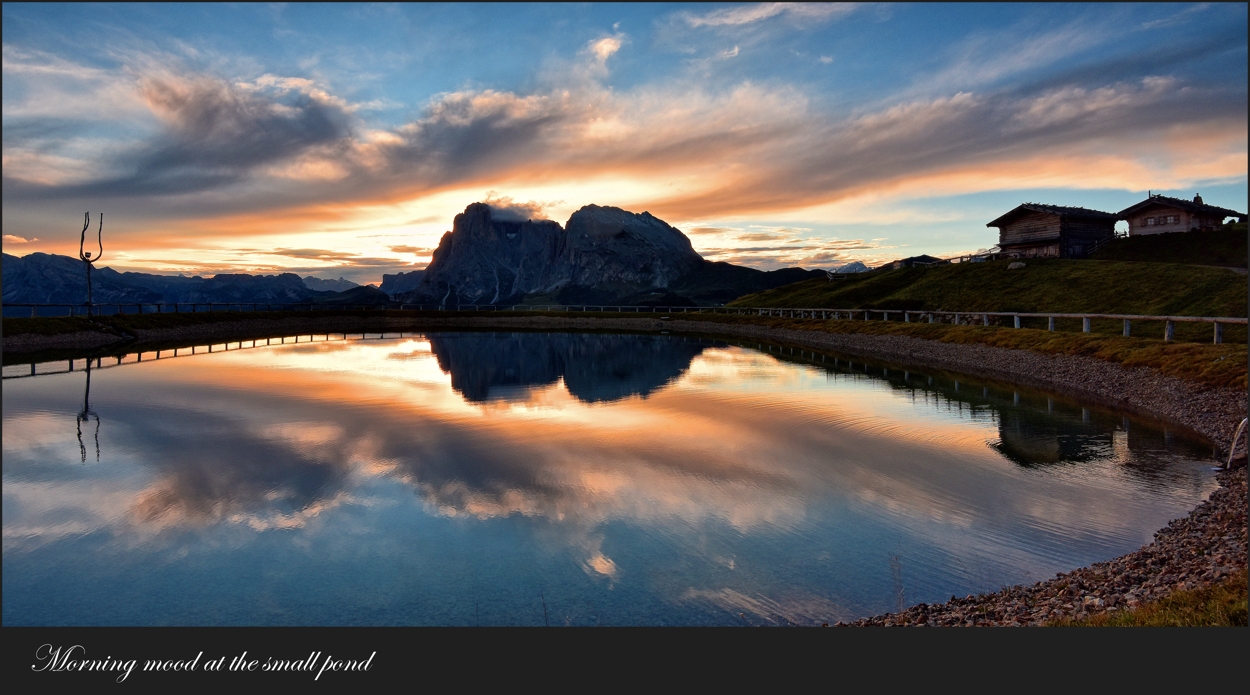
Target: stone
1015,266
603,254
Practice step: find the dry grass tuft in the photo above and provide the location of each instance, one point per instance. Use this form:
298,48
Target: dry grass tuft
1221,605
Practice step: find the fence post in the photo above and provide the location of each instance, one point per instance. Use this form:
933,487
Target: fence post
1169,331
1126,330
930,318
32,312
1051,323
985,319
1085,325
1017,321
1219,332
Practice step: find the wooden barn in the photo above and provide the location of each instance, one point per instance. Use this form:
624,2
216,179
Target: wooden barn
1159,214
1034,230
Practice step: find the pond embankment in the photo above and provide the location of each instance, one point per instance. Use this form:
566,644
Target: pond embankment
1204,548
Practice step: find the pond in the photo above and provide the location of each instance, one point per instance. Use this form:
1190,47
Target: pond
524,478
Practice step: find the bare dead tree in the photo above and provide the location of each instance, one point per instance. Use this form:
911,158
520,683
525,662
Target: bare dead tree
85,256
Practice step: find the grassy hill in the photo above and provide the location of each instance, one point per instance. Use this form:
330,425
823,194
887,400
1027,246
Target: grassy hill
1226,247
1047,285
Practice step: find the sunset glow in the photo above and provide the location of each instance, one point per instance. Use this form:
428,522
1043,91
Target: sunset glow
340,140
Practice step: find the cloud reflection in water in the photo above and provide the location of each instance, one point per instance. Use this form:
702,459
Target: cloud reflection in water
714,479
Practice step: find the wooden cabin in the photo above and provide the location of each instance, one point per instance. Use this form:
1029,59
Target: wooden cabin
1035,230
1159,214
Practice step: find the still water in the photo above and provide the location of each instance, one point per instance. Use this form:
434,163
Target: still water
562,479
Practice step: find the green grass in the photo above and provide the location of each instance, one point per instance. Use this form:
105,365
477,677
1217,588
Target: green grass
1222,605
1223,365
1226,247
1045,285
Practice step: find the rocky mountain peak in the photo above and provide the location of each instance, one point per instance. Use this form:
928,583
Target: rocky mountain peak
489,258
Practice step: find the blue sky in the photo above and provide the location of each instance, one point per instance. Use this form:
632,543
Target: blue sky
342,139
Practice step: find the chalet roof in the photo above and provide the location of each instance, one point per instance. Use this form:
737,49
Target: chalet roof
1062,210
1194,206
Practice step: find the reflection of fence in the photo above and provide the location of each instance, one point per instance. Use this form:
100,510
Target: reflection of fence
17,371
954,317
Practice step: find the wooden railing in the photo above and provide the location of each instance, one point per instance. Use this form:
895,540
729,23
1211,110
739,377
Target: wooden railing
954,317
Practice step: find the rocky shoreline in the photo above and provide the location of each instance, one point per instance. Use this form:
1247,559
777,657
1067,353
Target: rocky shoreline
1197,551
1204,548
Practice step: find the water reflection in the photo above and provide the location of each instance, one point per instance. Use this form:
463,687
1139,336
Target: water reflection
86,415
595,368
645,479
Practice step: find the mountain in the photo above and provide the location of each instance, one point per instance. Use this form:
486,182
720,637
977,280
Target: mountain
401,282
604,255
852,267
360,294
340,285
41,278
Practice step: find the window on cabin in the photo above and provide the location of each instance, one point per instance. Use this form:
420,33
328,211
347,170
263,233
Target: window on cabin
1150,221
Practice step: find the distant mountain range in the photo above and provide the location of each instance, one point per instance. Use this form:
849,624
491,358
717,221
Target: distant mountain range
41,278
603,255
401,282
340,285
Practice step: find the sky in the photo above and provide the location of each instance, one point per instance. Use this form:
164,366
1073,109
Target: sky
341,140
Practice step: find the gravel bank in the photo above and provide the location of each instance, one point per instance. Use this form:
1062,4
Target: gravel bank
1200,550
1192,552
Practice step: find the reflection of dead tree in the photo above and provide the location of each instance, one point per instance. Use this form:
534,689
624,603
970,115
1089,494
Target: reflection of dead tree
85,256
86,415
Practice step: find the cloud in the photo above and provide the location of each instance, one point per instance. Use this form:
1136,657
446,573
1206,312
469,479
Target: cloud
749,150
756,236
751,14
595,54
287,152
602,49
14,239
806,253
1179,18
214,133
505,208
317,254
411,249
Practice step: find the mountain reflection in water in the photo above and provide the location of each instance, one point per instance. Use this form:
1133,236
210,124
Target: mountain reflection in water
594,367
631,479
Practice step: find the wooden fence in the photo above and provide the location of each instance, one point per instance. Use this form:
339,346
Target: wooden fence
953,317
